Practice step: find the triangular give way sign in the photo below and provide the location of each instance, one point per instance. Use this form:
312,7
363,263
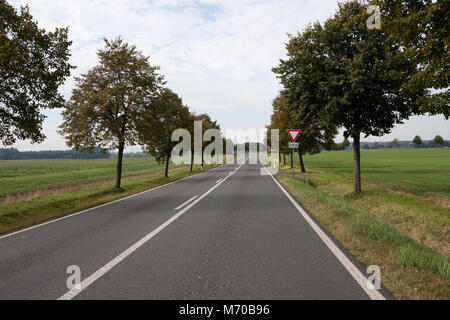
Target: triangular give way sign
294,133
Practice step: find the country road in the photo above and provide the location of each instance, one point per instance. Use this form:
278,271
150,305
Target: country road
229,233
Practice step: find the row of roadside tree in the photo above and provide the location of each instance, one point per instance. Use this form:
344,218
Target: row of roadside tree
346,74
122,101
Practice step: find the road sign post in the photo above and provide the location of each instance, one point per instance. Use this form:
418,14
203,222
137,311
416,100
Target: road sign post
294,134
292,163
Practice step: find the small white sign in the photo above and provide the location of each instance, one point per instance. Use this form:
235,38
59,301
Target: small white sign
293,145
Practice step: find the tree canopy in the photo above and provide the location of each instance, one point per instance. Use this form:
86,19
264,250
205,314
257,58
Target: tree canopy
280,120
110,100
417,140
350,76
422,28
315,134
157,124
33,65
207,123
439,140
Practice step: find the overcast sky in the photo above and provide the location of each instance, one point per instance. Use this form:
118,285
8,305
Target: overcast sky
217,55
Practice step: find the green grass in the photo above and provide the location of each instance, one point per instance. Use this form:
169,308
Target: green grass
405,169
35,191
401,220
30,175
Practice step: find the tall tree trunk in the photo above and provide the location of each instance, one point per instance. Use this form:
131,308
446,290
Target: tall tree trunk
167,166
357,162
119,164
279,157
302,165
203,160
192,160
284,158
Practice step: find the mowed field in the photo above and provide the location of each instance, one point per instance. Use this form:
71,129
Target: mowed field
34,191
400,222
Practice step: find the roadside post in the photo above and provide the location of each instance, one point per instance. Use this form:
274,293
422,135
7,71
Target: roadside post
294,134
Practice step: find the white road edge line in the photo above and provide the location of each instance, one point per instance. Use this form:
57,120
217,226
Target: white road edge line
107,267
102,205
351,268
219,180
186,203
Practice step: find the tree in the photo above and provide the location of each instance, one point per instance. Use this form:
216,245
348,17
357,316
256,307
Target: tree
345,144
350,76
109,101
417,140
314,136
228,146
395,143
158,123
280,121
207,123
275,124
439,140
422,28
33,65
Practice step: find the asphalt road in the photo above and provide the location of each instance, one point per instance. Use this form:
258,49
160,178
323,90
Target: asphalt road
229,233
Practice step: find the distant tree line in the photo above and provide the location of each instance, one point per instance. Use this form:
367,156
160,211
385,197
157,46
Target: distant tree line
417,142
404,144
14,154
131,155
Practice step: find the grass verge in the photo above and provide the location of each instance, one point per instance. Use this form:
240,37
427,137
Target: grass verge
383,226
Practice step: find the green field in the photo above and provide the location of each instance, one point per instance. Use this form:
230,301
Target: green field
33,191
400,222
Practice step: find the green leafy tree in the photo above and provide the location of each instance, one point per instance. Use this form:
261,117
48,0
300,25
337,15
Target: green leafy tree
269,128
395,143
439,140
422,27
345,144
280,121
33,65
157,125
350,77
417,141
207,123
315,134
110,100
